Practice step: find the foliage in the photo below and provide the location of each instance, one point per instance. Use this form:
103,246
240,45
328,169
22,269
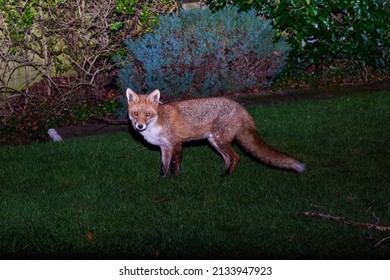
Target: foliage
56,38
199,53
353,35
19,18
30,121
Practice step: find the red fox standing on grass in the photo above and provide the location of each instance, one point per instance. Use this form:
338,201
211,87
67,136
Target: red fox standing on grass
219,120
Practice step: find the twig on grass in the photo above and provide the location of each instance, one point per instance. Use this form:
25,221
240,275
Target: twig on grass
381,241
343,220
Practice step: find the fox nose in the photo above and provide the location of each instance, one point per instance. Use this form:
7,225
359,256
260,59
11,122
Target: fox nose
141,126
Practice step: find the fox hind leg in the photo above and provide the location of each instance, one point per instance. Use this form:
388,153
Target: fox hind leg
229,155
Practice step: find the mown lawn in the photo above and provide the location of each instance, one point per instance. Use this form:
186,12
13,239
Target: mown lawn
101,197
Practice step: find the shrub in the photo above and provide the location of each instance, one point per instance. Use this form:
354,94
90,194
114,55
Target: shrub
199,53
73,37
43,41
353,35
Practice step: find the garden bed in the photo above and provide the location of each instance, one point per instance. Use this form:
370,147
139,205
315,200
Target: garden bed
267,97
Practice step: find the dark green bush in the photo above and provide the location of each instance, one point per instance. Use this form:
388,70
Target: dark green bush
199,53
351,35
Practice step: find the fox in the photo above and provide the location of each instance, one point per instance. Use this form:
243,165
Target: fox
218,119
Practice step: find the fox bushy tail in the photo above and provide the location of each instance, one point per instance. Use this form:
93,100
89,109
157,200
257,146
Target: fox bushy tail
250,140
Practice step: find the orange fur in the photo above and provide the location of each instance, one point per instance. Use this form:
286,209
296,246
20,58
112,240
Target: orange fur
219,120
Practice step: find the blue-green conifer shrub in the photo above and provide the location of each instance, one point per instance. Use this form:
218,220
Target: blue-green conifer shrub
200,53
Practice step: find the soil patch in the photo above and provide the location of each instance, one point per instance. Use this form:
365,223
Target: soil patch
296,95
90,130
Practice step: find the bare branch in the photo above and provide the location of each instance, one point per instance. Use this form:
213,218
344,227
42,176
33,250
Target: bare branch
343,220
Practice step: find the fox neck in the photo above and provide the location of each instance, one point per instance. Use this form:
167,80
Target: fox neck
154,133
152,124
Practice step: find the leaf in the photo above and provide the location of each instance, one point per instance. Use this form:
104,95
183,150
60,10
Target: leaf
90,236
162,199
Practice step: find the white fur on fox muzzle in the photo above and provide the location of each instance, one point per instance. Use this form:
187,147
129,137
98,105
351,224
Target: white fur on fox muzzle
140,127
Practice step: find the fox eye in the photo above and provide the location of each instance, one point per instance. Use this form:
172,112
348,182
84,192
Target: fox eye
148,114
135,113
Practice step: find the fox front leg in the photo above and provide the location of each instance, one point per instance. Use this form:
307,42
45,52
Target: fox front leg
176,159
170,159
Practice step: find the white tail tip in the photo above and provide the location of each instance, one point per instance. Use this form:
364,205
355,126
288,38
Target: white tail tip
300,167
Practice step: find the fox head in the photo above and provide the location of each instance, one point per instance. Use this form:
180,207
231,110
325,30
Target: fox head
142,108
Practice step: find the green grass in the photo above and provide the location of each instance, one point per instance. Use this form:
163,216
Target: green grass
101,197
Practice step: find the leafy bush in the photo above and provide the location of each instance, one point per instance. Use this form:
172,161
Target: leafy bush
329,33
73,37
199,53
43,41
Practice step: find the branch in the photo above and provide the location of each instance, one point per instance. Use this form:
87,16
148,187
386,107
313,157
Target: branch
111,121
343,220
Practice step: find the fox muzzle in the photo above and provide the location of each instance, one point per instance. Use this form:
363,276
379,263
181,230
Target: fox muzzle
140,126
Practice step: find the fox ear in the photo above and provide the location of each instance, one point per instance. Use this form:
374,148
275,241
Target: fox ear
154,96
131,96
